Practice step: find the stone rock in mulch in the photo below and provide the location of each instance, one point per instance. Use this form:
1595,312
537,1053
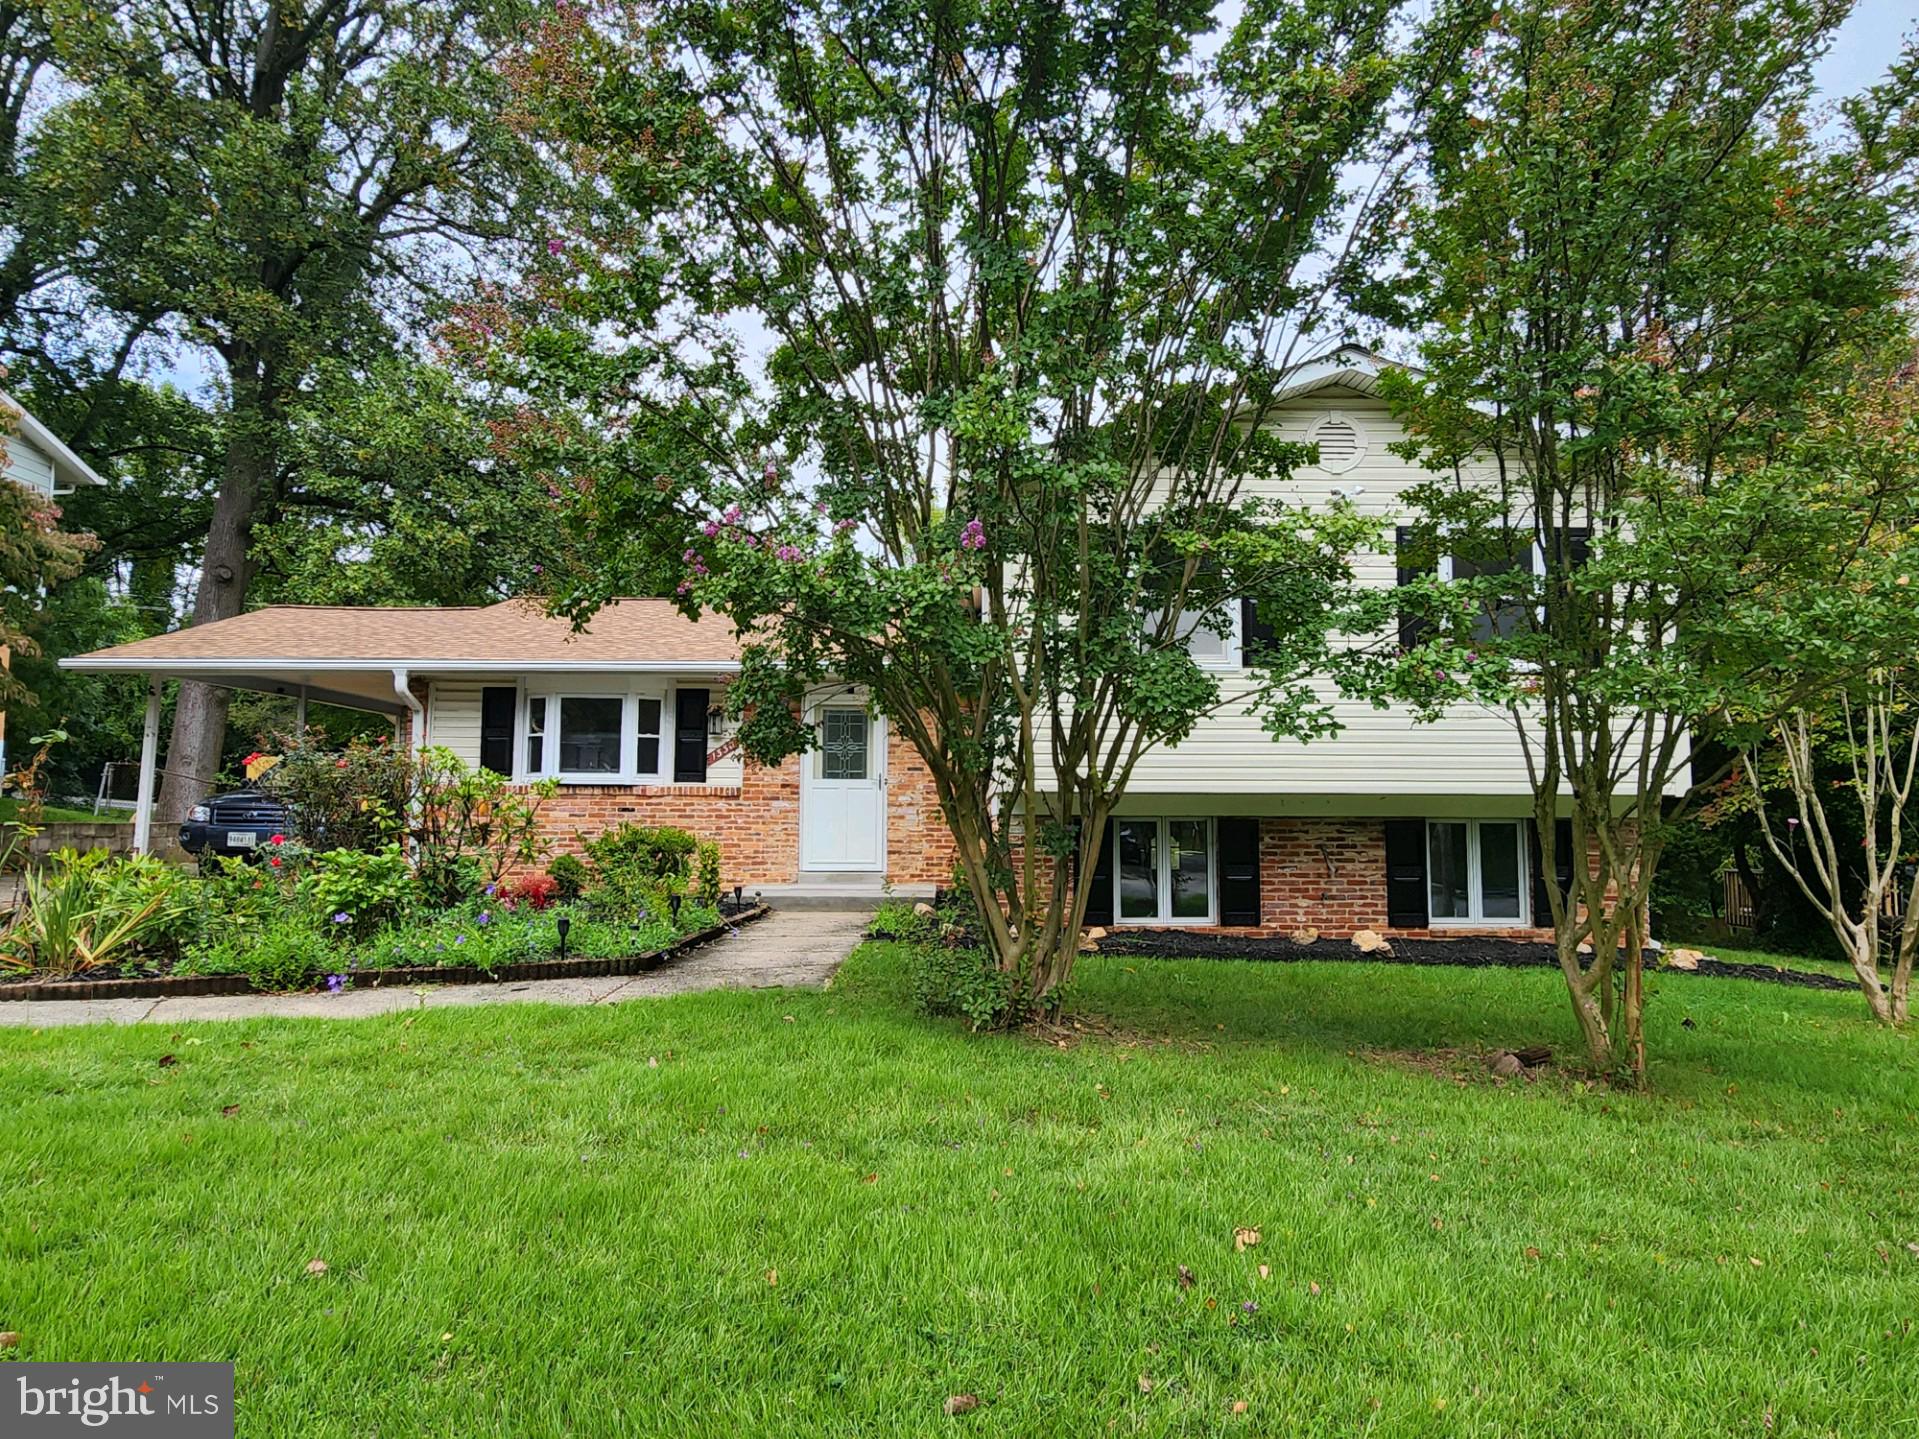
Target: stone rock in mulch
1684,959
1304,936
1370,941
925,910
1096,934
1506,1064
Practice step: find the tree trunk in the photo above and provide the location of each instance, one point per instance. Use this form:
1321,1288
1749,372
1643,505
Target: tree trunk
200,715
1865,967
1633,1008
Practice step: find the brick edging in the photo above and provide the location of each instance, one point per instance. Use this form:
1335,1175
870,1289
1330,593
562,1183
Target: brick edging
169,986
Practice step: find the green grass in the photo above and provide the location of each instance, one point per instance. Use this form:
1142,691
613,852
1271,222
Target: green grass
532,1229
59,814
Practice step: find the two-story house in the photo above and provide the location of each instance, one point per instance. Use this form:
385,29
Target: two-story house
1390,825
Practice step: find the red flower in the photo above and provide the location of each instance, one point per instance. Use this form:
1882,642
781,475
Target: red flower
339,764
278,839
275,861
251,758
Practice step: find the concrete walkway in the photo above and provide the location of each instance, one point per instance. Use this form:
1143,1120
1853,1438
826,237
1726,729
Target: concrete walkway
788,947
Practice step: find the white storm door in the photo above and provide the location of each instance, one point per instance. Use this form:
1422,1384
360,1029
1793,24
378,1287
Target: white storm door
843,792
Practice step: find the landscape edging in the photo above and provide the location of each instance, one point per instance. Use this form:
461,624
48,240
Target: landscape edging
168,986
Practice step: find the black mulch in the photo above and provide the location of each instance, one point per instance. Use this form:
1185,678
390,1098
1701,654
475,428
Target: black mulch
1462,953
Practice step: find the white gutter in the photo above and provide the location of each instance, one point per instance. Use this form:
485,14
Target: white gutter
138,664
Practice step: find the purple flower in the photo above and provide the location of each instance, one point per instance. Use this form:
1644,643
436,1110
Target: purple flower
485,917
555,245
342,918
1249,1307
973,536
772,470
789,552
490,889
459,939
732,515
844,525
335,983
710,528
1792,824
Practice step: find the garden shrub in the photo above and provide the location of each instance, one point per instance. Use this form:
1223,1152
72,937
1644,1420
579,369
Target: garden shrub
706,874
471,826
357,890
359,797
288,954
536,891
636,869
89,910
956,980
569,875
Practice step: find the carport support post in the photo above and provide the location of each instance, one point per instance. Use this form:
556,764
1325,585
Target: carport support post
149,760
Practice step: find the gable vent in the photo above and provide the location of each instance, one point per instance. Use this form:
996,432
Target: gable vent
1339,445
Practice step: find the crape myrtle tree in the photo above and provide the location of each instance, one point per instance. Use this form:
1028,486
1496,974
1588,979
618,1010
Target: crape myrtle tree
1830,776
935,343
1642,275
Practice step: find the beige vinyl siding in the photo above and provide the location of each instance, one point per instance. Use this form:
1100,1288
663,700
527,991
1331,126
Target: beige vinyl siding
27,463
1471,752
453,719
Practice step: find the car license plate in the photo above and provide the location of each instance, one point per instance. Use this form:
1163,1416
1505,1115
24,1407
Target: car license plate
242,838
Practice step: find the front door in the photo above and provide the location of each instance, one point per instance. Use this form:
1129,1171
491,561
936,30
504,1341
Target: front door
843,792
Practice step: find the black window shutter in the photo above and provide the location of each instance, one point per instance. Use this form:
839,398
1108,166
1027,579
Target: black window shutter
1099,903
1238,870
1413,629
1579,544
689,736
497,703
1562,867
1406,873
1253,632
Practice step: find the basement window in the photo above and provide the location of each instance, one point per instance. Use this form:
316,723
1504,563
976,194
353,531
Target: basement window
1475,871
1163,871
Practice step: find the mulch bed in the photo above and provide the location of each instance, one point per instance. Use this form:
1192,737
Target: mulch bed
166,986
1462,953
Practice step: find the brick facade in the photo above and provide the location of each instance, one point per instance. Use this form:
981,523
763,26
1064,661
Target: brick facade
1330,875
757,821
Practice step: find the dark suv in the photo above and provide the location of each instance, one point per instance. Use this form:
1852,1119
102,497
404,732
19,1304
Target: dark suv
236,823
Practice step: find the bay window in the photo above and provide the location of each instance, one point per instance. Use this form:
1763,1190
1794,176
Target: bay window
612,736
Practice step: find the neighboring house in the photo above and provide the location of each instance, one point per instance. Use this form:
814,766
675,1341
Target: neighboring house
1403,828
32,455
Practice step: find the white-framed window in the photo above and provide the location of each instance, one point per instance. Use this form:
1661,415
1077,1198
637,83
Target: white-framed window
1210,647
647,713
586,734
1476,871
1503,620
1165,871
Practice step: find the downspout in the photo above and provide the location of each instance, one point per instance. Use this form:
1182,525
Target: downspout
401,689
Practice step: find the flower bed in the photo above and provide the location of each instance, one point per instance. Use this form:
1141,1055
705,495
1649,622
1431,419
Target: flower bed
428,871
161,986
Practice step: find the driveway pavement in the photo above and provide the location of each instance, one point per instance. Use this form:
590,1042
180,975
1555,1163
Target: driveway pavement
787,948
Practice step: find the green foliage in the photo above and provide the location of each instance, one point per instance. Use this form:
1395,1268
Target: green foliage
638,869
358,892
471,826
705,886
288,953
355,798
569,875
87,910
963,981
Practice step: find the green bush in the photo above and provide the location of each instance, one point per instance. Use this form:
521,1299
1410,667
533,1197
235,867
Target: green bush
569,874
488,939
636,869
352,798
706,876
953,980
90,910
288,954
897,919
359,891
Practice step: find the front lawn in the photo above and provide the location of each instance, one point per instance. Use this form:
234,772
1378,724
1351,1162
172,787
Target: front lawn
818,1213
